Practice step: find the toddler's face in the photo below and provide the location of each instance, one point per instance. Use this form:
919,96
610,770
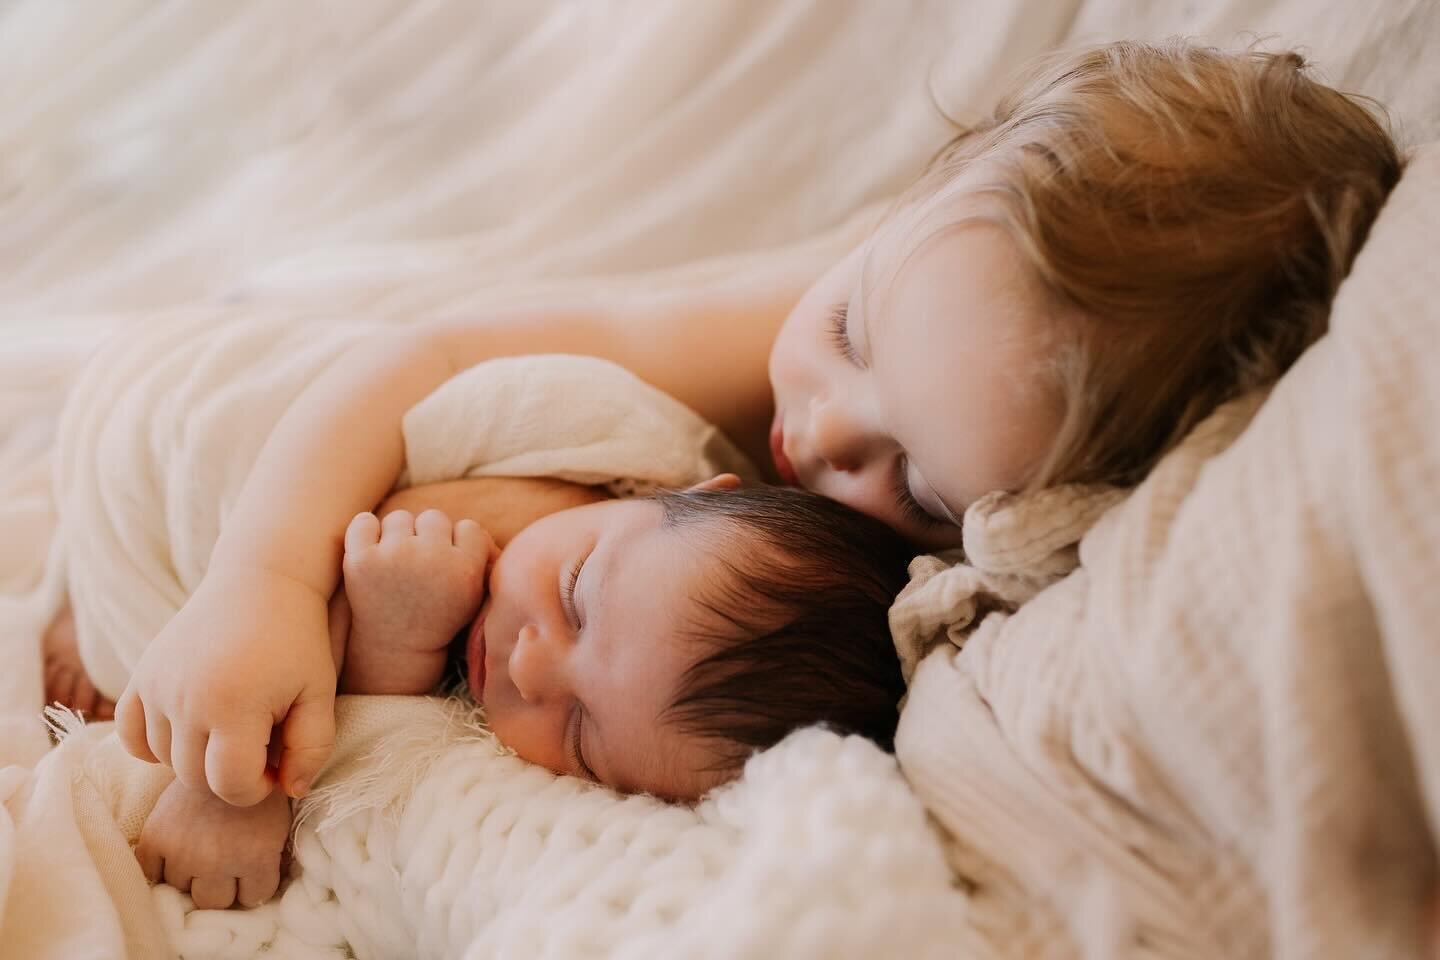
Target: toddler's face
913,401
580,647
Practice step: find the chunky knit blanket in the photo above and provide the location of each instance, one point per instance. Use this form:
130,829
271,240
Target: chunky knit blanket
425,840
1219,735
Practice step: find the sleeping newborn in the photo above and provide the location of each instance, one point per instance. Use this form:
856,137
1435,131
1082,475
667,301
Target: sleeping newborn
649,645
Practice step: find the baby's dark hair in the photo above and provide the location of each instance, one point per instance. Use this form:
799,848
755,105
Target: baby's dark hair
796,621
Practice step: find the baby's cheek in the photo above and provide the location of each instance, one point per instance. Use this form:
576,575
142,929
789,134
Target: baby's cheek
523,735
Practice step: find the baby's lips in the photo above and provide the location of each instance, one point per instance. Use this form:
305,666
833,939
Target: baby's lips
475,652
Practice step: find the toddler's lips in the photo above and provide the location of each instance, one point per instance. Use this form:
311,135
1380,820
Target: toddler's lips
475,656
788,476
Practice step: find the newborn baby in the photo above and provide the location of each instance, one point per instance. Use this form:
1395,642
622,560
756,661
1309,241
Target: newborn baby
649,645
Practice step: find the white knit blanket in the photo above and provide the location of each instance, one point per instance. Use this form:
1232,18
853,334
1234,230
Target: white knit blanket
422,835
1219,736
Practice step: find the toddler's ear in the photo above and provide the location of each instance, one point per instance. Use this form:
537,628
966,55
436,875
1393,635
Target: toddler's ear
724,481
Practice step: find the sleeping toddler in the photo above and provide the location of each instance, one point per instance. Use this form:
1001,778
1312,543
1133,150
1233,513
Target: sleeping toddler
649,645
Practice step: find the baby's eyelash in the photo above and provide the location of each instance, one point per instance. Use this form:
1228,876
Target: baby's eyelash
840,333
577,757
568,595
909,506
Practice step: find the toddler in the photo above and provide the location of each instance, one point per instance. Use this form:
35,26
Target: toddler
649,645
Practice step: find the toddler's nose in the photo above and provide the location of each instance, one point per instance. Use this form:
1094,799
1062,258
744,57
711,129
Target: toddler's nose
838,436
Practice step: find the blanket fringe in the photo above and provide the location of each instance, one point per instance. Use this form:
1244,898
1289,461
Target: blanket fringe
389,771
62,721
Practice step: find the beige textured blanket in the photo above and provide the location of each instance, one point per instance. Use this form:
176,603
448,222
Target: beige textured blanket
1219,736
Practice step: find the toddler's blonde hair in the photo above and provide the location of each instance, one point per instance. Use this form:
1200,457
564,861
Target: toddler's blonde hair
1195,209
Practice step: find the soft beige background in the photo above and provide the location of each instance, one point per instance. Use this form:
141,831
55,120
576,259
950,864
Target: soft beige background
392,160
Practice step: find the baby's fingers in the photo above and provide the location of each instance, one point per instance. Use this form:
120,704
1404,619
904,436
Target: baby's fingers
235,765
364,531
255,888
308,735
397,524
187,756
434,526
157,733
176,875
130,726
151,863
474,540
213,892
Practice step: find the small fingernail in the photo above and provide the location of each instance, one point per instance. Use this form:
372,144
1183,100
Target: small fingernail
299,788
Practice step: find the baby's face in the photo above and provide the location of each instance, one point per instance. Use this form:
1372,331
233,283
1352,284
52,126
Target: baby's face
581,644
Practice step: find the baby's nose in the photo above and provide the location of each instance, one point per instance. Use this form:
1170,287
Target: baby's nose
536,666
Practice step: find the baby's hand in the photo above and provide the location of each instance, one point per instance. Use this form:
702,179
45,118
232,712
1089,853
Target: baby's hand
218,853
412,583
248,652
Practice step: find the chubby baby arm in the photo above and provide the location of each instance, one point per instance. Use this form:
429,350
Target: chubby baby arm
247,658
210,709
218,853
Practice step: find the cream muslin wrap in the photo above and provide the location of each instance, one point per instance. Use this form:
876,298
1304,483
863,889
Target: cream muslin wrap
1218,735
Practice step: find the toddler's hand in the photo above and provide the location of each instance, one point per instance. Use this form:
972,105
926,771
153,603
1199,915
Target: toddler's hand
217,853
248,652
412,583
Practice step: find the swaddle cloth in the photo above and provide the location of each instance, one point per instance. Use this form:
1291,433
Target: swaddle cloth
1015,545
568,417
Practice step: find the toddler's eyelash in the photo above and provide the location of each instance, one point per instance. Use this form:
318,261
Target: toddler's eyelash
909,506
840,333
